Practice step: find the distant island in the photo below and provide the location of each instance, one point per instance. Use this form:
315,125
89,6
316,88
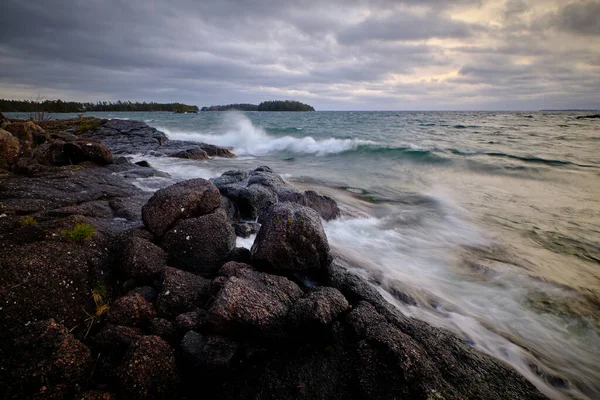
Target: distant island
282,105
59,106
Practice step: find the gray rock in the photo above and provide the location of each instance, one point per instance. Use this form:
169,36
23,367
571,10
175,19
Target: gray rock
188,199
200,244
82,151
291,241
180,292
253,303
191,154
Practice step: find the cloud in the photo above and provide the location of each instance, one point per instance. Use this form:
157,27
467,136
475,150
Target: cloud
340,54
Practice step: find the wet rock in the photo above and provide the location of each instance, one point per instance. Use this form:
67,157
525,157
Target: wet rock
200,244
51,363
246,229
164,328
252,192
320,307
82,151
149,370
148,293
127,136
188,199
143,164
142,259
241,255
291,241
216,151
209,352
253,303
191,154
180,292
9,149
131,311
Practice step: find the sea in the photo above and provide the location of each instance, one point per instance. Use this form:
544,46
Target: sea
490,221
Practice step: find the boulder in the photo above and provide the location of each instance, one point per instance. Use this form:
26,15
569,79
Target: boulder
141,258
320,307
51,363
51,153
29,134
149,370
191,154
210,352
164,328
131,311
216,151
252,303
200,244
291,241
188,321
188,199
252,192
232,268
96,395
9,149
82,151
116,338
180,292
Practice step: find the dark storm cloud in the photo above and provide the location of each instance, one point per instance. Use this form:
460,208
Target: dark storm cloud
340,54
580,18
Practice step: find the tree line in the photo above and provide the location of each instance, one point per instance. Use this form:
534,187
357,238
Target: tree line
59,106
285,105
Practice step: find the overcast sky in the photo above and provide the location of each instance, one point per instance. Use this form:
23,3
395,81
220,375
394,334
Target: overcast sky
332,54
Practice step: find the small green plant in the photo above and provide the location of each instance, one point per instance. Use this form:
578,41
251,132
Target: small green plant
28,221
87,124
81,232
98,295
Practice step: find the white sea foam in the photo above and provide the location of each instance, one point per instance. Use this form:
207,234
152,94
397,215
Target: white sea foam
248,139
424,261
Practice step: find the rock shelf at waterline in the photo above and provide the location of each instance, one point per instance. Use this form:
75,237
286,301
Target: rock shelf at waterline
112,292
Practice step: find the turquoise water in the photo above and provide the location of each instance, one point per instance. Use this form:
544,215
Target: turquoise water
490,221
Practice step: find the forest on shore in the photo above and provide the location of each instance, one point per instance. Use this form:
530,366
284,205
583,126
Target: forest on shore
59,106
281,105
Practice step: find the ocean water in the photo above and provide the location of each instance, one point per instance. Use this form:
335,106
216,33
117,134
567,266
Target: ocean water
490,221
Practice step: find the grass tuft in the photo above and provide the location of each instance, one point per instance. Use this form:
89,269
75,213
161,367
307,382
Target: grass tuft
28,221
87,124
81,232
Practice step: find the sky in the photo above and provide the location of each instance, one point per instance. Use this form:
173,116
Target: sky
332,54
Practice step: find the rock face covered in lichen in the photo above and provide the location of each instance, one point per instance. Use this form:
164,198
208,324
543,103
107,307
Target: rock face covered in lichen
110,292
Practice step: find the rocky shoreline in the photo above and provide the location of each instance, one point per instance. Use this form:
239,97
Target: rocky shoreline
110,292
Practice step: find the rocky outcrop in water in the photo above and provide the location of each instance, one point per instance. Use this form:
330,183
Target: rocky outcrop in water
94,305
252,192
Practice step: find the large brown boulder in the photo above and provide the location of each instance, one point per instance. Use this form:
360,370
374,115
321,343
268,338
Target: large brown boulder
149,370
9,149
82,151
49,362
29,134
253,303
291,241
200,245
131,311
188,199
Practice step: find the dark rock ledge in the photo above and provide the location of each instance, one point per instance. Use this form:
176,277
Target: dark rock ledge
167,307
